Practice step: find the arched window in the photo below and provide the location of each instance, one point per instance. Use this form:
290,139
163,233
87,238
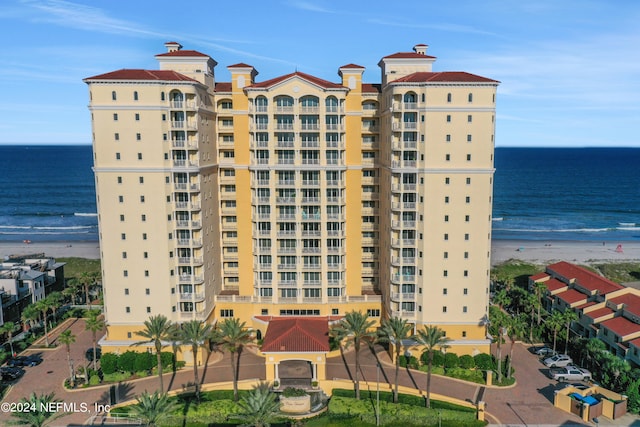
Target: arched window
284,103
261,104
448,97
309,103
176,98
113,95
331,104
470,97
369,105
423,97
410,97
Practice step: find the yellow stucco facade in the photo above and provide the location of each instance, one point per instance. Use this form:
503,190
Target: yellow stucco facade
294,196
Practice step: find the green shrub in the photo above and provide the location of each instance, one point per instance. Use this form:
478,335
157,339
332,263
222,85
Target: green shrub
126,361
143,361
109,363
116,377
94,380
475,376
451,360
293,392
484,361
467,362
411,362
438,358
167,359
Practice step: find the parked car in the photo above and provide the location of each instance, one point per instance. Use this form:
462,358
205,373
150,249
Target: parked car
32,360
89,354
542,351
558,360
569,373
10,373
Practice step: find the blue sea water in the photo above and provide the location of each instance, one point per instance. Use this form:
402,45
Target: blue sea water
567,194
47,193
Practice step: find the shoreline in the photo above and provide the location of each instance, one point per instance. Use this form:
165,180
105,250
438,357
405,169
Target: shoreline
533,251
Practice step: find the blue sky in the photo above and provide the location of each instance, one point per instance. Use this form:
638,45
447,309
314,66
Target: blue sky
570,69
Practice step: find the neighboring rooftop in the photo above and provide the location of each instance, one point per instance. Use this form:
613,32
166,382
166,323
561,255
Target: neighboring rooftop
297,334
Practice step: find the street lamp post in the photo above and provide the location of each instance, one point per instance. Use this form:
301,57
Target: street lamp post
377,393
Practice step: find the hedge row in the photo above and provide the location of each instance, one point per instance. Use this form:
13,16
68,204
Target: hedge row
133,361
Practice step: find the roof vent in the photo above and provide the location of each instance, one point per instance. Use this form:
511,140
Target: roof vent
420,49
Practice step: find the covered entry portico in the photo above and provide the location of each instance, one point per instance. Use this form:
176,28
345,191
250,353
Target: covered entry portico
295,349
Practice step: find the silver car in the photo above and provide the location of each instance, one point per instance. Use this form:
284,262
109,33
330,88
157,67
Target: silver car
558,360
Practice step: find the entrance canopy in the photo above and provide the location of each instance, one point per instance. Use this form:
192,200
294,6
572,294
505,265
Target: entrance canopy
295,334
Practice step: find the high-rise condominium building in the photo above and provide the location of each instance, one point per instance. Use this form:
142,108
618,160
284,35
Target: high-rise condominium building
294,196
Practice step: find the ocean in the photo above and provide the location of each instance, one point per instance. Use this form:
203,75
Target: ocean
48,194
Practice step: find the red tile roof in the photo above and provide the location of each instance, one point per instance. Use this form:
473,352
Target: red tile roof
554,285
631,303
352,66
571,296
371,88
408,55
223,87
297,334
444,76
139,74
635,342
539,276
589,304
311,79
240,65
601,312
585,278
621,326
183,53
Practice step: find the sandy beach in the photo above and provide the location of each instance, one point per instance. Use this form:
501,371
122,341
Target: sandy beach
538,252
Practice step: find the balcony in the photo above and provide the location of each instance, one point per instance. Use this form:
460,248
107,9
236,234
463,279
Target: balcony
312,161
285,144
310,144
287,282
191,296
188,278
310,127
334,127
310,183
284,109
287,266
286,183
284,126
309,109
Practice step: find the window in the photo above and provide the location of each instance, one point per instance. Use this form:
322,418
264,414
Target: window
144,236
114,96
137,116
447,157
446,236
468,181
445,273
226,312
141,199
448,118
148,309
447,180
446,218
125,273
466,218
146,274
467,199
141,180
448,138
115,117
126,291
135,95
147,291
465,291
446,199
119,180
124,255
466,273
470,97
466,236
444,291
123,236
116,136
143,217
117,156
373,312
466,255
444,308
121,218
469,118
469,138
139,156
121,199
145,255
448,97
127,309
464,309
446,255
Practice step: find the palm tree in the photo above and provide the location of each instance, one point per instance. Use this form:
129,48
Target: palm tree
195,333
539,288
156,330
94,324
71,290
67,338
37,415
394,331
355,328
8,329
517,327
43,306
569,317
152,408
232,335
499,327
55,301
555,322
30,314
432,338
259,407
86,279
501,298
